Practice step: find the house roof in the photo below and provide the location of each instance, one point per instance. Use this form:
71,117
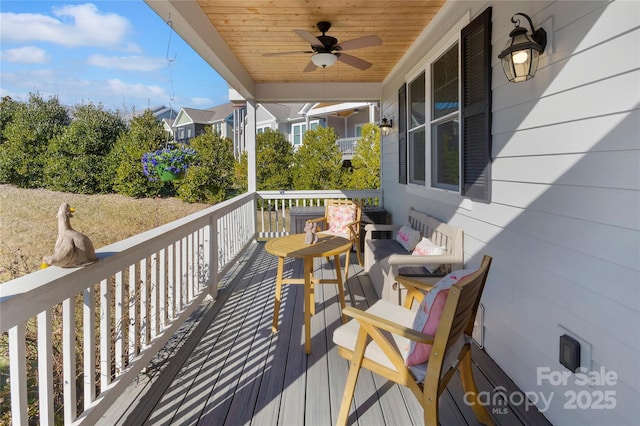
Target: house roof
284,111
221,112
228,35
199,116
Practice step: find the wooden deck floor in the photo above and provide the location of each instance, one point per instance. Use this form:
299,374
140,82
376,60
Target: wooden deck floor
227,368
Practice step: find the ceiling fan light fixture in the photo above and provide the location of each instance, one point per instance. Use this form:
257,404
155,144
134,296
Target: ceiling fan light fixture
324,59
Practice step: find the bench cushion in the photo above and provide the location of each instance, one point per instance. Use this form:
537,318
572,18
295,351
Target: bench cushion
382,249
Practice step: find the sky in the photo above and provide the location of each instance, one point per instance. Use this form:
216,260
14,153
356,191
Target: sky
117,53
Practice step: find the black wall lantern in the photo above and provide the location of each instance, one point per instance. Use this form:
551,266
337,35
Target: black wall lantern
386,126
520,56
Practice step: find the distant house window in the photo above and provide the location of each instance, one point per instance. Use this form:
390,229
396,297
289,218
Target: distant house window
359,130
417,148
189,133
181,133
445,122
261,129
298,129
218,128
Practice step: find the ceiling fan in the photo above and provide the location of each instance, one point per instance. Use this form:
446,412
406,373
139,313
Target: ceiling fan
326,50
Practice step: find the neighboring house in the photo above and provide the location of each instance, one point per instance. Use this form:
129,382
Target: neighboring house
191,122
543,175
291,119
160,112
167,125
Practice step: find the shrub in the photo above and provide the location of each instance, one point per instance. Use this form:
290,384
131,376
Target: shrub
210,180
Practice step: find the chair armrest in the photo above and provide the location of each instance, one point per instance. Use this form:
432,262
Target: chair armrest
319,219
384,324
409,259
414,283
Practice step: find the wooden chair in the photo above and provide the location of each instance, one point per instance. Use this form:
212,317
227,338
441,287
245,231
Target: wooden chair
342,218
365,341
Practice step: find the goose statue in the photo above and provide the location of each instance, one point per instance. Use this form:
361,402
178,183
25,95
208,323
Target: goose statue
72,248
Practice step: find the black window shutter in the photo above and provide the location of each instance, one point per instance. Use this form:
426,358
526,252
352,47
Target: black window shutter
402,134
476,108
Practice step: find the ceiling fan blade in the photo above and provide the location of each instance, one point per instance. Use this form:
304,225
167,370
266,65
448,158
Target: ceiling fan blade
310,67
361,64
308,37
296,52
359,43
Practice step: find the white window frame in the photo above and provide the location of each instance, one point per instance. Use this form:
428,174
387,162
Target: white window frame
303,126
412,131
441,120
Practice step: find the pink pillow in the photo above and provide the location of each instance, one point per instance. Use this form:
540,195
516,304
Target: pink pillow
426,248
408,237
428,316
339,217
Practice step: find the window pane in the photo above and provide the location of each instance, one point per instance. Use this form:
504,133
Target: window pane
417,101
445,84
445,140
445,151
417,156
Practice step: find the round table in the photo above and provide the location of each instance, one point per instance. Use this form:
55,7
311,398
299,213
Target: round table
295,247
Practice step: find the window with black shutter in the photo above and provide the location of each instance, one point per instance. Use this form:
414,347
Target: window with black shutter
476,108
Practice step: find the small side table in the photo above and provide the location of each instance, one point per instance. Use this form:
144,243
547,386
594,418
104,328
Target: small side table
294,246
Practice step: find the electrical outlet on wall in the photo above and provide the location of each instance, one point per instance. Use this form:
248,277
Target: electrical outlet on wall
585,347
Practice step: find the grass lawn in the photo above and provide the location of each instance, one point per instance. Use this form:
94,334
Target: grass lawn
28,223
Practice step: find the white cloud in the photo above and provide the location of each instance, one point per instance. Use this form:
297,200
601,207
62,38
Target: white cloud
75,25
201,101
26,55
119,87
127,63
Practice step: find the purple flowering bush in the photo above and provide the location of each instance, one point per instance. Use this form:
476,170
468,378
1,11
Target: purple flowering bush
173,159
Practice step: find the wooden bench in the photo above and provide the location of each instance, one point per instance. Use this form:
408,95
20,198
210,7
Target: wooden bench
384,259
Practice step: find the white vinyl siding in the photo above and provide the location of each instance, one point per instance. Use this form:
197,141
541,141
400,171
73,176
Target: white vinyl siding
563,221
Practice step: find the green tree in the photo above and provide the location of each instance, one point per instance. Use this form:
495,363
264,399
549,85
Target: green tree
8,108
241,173
366,160
274,156
211,180
317,164
76,158
23,152
273,161
145,134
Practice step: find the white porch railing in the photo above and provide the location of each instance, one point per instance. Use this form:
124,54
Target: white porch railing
274,206
348,146
133,299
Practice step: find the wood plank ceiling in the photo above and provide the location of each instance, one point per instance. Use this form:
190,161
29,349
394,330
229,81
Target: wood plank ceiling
254,27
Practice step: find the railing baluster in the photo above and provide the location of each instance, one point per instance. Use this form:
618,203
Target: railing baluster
184,271
171,283
143,293
133,313
190,269
18,375
119,325
45,368
89,346
105,335
69,359
153,302
162,288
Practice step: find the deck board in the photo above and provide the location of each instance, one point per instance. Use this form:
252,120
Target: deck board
237,372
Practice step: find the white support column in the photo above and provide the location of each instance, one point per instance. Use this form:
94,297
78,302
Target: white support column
250,140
